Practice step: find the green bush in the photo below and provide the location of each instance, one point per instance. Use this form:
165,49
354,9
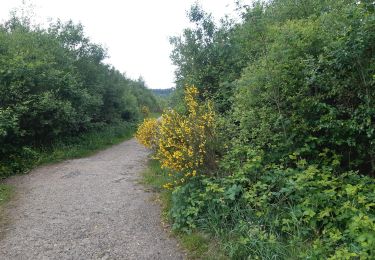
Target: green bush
18,161
305,211
314,89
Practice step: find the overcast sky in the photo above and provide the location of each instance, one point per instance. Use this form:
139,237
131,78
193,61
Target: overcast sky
135,32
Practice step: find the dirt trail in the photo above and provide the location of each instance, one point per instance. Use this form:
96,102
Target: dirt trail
90,208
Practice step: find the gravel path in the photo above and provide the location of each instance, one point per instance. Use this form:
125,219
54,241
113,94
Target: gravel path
90,208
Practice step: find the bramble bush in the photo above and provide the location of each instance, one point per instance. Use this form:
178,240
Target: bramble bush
267,210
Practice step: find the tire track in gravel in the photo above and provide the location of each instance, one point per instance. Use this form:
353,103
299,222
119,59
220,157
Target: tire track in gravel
89,208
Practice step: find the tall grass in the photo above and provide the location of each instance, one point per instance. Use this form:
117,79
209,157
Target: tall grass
196,244
6,192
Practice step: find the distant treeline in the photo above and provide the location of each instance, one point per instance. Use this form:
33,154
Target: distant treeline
163,92
54,84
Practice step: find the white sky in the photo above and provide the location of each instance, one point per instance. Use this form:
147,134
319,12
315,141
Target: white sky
134,31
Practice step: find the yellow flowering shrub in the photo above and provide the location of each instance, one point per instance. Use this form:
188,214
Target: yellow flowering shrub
181,141
145,111
147,133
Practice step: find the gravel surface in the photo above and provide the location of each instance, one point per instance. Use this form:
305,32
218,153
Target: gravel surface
90,208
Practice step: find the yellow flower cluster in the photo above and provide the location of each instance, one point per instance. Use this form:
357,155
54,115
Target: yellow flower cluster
145,111
181,140
147,133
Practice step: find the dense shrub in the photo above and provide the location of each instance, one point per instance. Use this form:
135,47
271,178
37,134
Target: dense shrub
291,76
261,209
293,83
314,89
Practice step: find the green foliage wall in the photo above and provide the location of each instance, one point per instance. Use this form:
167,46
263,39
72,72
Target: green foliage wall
294,83
54,83
292,77
314,89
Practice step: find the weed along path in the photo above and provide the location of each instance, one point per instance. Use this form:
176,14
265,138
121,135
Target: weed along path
90,208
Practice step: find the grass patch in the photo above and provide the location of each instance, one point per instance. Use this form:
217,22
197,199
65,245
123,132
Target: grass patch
6,192
200,246
196,244
155,115
155,177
